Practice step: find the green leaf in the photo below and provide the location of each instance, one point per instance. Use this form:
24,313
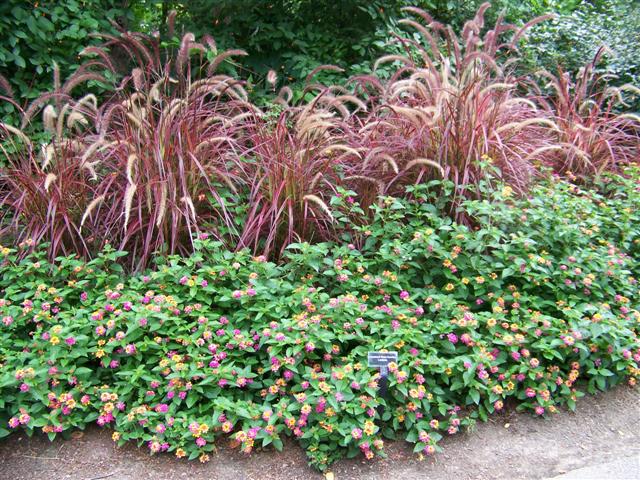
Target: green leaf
277,443
468,375
507,272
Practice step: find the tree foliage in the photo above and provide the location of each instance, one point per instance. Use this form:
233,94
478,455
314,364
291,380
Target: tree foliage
293,37
571,40
35,35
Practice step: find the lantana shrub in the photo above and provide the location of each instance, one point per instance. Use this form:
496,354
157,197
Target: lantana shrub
531,307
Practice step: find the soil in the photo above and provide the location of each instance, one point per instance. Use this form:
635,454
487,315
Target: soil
604,428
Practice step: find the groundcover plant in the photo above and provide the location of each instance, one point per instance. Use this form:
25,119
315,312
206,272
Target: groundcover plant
530,307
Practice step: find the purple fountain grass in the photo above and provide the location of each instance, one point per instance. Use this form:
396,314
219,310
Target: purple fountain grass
146,171
449,105
292,168
591,136
52,197
179,150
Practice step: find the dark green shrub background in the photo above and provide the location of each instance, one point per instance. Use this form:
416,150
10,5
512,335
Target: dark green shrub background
295,36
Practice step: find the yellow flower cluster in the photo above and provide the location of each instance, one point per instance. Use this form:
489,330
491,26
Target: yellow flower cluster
369,427
201,430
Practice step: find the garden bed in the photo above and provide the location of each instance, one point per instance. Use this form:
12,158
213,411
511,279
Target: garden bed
534,305
188,268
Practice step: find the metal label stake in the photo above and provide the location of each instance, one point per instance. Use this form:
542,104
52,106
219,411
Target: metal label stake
382,360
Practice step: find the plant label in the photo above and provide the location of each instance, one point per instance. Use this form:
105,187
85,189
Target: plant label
381,360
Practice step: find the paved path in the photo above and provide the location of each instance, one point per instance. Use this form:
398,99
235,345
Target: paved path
626,468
